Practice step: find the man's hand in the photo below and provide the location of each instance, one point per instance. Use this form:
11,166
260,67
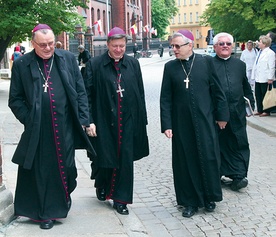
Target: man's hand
222,124
91,130
168,133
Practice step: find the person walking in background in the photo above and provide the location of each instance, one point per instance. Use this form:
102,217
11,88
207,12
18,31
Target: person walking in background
118,120
263,72
272,36
243,46
22,48
16,53
193,107
161,50
248,56
83,58
58,45
47,95
135,49
233,139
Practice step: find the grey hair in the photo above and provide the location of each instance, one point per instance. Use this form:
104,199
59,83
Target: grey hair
187,40
222,34
44,31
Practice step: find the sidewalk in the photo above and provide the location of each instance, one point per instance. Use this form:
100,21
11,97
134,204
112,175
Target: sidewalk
264,124
92,218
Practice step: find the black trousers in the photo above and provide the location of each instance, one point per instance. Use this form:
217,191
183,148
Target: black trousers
260,90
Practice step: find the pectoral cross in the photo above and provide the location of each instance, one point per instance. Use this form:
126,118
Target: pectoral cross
187,82
45,85
120,90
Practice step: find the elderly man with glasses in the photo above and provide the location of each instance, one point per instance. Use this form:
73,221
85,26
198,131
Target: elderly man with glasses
233,139
193,107
47,95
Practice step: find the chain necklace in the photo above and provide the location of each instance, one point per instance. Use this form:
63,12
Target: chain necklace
46,85
187,75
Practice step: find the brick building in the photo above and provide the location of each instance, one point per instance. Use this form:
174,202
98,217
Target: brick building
101,16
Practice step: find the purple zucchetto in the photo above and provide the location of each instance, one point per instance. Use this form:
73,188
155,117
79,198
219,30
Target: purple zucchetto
116,31
41,27
188,34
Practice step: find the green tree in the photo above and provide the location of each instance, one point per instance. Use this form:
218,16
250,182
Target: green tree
18,18
244,19
162,11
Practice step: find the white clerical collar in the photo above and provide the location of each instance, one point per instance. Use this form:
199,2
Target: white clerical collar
116,60
225,58
190,57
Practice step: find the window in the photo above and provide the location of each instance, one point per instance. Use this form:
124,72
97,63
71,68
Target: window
179,18
191,2
197,17
185,2
185,18
197,34
172,20
191,17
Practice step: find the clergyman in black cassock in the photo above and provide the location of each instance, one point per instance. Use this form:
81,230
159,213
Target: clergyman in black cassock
48,96
193,108
234,146
118,120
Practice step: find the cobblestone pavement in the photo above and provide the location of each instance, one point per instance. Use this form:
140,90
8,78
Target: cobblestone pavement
250,212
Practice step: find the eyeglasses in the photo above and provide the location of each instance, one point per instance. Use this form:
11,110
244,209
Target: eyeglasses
224,43
44,46
177,46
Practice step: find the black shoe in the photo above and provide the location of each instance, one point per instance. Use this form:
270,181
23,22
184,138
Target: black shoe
46,225
210,206
238,184
101,195
189,211
121,208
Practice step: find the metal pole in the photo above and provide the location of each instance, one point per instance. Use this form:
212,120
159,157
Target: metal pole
107,17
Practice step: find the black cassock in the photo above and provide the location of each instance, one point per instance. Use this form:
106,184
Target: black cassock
120,118
43,192
191,113
234,144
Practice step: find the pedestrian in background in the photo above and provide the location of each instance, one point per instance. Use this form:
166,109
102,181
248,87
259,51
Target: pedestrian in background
248,56
83,58
193,107
16,53
118,120
58,45
22,48
272,36
47,95
135,50
263,72
233,139
161,50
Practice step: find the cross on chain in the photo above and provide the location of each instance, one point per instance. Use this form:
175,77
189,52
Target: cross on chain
120,90
187,82
45,85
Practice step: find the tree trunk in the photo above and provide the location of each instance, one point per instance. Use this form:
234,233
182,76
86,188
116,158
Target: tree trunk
4,43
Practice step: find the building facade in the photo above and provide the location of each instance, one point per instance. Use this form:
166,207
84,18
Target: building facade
188,17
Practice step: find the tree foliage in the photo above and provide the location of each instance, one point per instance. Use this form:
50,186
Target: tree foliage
18,18
244,19
162,11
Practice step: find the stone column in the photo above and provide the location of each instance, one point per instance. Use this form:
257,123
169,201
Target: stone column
6,199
